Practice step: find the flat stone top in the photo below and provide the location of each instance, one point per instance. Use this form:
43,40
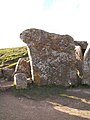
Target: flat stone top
33,34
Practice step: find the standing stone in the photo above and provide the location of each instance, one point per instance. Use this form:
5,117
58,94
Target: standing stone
23,67
53,57
86,66
20,81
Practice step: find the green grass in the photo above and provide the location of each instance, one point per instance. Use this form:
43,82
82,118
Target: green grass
84,86
10,56
40,92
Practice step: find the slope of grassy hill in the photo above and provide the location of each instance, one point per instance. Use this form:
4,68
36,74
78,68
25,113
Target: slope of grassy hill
10,56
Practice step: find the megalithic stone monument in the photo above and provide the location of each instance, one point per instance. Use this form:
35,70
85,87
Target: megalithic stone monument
52,57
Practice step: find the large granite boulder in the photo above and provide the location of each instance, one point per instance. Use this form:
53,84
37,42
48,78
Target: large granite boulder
86,66
23,67
20,81
53,57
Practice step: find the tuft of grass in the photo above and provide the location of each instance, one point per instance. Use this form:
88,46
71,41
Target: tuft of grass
84,86
12,65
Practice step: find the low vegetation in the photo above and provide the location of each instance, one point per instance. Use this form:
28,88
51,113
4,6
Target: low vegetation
10,56
36,92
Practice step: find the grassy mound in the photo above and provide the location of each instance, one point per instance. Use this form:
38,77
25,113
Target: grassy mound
10,56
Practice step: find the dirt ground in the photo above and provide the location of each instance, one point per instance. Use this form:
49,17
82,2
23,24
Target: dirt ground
75,105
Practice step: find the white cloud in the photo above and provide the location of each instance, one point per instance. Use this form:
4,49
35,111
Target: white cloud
63,17
15,17
71,17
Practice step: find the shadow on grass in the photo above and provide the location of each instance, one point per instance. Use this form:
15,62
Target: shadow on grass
40,92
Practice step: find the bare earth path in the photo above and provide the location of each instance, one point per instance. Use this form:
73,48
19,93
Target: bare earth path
75,105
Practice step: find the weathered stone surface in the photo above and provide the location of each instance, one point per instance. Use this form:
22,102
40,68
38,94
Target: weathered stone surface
6,73
20,81
79,61
86,66
1,73
83,44
23,67
53,57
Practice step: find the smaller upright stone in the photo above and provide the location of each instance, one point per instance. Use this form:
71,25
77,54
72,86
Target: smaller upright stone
23,67
20,81
86,66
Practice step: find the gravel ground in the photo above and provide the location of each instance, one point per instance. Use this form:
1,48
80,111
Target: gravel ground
75,105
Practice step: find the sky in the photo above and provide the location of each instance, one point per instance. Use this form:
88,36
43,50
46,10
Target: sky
55,16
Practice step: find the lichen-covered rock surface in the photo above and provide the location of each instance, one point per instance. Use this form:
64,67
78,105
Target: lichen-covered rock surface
6,73
20,81
86,66
83,44
23,67
53,57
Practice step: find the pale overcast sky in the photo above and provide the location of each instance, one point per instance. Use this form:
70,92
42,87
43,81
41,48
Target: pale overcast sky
56,16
